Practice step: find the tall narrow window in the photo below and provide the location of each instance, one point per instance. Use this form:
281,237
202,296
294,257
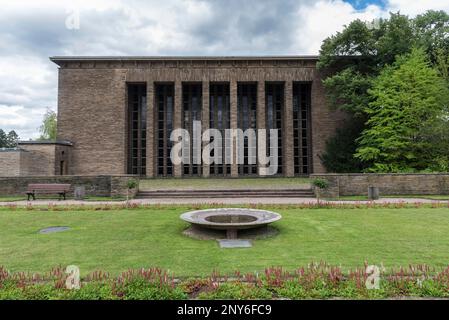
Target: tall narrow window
137,128
274,99
301,127
220,120
164,97
247,119
192,105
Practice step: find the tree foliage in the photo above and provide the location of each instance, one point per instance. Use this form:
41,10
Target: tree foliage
355,56
8,140
352,60
407,98
48,127
341,149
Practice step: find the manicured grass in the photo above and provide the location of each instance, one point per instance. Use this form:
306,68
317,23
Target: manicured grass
116,240
364,198
12,198
241,183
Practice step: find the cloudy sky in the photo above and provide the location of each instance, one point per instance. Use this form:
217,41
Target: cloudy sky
31,31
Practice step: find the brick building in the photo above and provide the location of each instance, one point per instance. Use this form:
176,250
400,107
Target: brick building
117,112
36,158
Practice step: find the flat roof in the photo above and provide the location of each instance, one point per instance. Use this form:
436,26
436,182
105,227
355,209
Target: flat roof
10,149
59,142
57,59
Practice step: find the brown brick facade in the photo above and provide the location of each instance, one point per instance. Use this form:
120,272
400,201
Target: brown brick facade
101,186
35,159
10,162
92,104
356,184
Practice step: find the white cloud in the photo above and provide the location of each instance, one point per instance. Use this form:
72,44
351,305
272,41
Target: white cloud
416,7
324,18
30,31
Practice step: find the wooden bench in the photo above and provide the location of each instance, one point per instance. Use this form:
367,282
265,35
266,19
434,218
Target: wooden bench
48,188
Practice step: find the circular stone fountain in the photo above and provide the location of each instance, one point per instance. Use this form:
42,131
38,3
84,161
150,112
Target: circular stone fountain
230,219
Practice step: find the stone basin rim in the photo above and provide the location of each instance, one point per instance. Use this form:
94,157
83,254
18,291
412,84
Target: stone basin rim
198,217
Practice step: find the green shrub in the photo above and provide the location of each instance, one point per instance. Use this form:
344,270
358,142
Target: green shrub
320,183
132,184
142,289
291,290
236,291
10,291
91,291
338,156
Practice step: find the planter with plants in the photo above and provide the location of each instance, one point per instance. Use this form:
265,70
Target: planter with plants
320,185
132,187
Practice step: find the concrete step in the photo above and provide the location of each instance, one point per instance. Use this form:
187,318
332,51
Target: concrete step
265,193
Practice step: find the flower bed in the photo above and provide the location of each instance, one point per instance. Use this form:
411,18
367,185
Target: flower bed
315,281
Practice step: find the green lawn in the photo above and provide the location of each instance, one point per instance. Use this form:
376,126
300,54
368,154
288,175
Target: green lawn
210,183
120,239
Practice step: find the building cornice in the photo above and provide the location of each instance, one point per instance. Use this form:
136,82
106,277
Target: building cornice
61,60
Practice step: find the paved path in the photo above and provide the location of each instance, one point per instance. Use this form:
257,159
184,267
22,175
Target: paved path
224,201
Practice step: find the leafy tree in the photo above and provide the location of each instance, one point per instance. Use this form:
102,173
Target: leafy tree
2,139
436,133
442,64
431,30
340,149
8,140
406,98
351,61
12,139
48,127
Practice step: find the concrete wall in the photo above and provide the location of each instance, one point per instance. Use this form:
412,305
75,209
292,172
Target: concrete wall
388,184
95,185
92,104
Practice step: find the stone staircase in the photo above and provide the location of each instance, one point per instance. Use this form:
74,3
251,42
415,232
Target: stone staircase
228,193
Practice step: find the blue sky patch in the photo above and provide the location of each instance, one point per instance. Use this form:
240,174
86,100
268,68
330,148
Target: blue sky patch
362,4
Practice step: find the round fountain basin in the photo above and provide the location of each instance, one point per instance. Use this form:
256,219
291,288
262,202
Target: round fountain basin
230,218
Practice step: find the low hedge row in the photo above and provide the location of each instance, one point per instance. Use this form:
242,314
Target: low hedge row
315,281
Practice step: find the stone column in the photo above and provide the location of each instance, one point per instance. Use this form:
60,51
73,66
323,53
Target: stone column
233,125
205,120
287,143
151,150
177,121
261,117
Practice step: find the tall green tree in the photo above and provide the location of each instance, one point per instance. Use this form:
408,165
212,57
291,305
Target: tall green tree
12,139
48,127
2,139
431,31
406,98
8,140
436,134
341,149
351,61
